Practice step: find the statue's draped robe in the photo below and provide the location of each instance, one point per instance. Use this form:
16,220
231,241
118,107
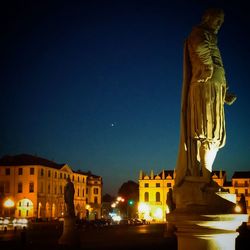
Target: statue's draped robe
202,106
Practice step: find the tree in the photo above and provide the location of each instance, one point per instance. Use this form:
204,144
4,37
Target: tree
107,198
130,192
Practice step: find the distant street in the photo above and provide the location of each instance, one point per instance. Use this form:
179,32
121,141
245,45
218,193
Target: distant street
46,235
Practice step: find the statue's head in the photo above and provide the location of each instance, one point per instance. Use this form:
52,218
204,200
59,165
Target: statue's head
213,19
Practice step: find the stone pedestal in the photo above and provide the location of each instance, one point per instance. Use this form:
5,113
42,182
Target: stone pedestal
202,231
204,218
70,235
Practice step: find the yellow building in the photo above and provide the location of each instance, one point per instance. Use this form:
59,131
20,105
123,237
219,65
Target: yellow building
241,185
36,186
153,191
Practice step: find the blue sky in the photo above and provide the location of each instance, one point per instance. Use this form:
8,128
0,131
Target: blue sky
97,84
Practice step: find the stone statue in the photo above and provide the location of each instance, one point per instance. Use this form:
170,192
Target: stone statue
204,216
204,93
69,192
170,201
70,236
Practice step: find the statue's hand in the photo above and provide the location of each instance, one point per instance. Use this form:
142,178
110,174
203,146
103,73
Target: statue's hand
230,98
206,74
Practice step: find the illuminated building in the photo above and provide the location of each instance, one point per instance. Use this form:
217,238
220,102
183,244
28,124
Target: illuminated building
241,185
153,191
36,186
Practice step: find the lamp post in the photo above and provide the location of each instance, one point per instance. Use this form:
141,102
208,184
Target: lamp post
9,204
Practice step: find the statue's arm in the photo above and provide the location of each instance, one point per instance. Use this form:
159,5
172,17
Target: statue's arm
200,45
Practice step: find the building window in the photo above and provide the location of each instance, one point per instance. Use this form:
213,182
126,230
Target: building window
61,190
42,172
78,192
1,188
246,192
31,187
158,185
60,175
146,185
87,190
55,189
27,212
20,187
246,183
157,197
87,200
73,178
7,171
146,197
55,175
169,184
32,171
20,171
95,190
78,179
19,213
83,193
64,176
48,188
5,187
95,199
49,173
236,183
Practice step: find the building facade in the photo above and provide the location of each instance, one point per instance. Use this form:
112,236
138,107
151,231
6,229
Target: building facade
153,190
36,186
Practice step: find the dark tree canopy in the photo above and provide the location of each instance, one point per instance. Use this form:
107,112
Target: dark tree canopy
107,198
129,190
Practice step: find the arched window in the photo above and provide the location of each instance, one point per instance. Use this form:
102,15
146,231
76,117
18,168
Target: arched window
157,197
146,197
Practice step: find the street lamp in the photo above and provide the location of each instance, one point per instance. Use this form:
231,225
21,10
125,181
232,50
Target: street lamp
9,204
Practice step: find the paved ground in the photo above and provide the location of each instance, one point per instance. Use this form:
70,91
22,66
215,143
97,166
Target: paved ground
46,235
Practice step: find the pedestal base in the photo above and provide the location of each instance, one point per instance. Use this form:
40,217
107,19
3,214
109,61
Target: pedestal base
70,235
200,231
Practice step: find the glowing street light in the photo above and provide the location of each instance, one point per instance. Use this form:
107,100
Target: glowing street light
9,204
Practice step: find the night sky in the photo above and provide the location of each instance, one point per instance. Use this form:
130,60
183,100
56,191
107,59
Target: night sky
97,84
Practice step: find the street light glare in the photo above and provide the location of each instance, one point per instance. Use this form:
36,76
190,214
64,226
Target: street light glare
9,203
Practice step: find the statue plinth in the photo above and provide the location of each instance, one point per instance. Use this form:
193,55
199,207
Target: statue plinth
70,233
196,229
204,217
197,191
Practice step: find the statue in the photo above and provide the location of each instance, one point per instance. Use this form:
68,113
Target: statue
69,192
70,236
204,93
170,201
204,216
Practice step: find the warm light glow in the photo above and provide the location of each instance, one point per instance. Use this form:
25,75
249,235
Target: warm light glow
116,218
158,214
144,211
119,198
143,208
113,205
237,209
9,203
